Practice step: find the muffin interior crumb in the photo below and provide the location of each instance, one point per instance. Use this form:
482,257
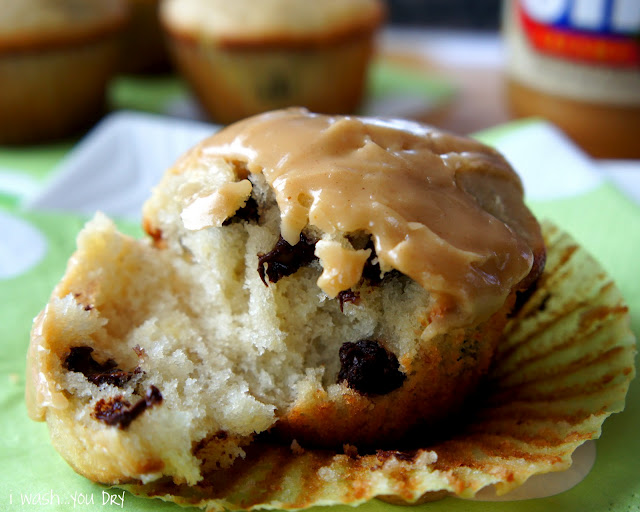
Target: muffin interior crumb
228,352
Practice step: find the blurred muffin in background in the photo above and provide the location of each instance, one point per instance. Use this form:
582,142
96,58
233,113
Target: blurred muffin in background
144,47
56,57
244,57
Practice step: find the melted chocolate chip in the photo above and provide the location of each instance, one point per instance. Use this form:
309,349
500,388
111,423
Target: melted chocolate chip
371,271
408,456
248,213
81,360
369,368
284,259
348,296
370,275
117,411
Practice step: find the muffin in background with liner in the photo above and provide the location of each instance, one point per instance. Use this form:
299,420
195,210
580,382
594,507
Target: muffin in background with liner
242,58
144,47
56,57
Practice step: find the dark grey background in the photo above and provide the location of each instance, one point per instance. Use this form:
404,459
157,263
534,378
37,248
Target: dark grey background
457,14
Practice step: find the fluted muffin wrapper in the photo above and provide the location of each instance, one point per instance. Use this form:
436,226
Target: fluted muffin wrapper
564,366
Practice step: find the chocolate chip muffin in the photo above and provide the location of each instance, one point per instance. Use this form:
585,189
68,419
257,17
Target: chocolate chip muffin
244,57
325,279
56,58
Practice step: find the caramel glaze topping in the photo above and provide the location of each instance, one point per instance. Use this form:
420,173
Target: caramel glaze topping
444,210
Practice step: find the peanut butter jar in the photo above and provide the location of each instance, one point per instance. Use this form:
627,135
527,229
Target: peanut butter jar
56,58
244,57
577,64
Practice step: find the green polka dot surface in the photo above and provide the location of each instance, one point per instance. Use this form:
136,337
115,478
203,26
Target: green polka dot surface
48,192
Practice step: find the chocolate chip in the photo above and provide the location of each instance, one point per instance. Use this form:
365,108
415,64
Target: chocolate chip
348,296
408,456
369,368
370,274
80,360
275,86
371,271
248,213
285,259
117,411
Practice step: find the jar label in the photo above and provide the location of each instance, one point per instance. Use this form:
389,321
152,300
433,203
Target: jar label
594,32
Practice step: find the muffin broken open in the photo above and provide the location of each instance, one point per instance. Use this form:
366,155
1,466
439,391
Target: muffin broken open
309,281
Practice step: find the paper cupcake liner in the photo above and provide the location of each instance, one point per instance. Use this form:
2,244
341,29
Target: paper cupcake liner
565,365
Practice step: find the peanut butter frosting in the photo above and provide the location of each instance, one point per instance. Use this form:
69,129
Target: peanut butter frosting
244,21
444,210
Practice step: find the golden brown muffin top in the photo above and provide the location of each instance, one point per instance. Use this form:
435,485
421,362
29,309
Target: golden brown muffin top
29,24
279,22
444,210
